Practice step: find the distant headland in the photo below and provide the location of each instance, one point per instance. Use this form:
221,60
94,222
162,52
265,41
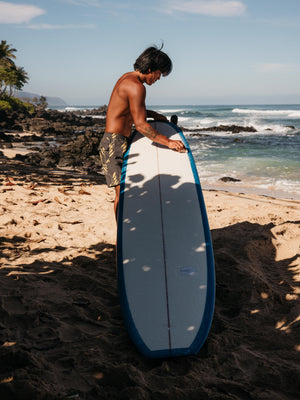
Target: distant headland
52,101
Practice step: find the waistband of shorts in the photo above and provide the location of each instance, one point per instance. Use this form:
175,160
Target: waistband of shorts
115,133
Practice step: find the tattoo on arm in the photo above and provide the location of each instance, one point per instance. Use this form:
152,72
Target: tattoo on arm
150,133
155,136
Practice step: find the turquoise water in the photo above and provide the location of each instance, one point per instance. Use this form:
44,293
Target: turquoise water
266,162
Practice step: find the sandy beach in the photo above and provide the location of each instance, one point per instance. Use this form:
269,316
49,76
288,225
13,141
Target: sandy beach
61,330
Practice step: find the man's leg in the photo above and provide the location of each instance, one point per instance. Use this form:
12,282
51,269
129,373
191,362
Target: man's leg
117,198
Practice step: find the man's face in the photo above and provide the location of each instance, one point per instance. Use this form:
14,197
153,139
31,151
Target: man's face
152,77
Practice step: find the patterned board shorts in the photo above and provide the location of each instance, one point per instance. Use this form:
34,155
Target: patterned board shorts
112,148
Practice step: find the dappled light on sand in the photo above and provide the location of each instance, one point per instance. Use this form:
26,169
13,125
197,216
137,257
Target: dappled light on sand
62,334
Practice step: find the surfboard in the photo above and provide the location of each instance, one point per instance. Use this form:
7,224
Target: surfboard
165,261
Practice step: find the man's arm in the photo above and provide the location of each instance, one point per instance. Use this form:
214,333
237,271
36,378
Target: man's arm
136,97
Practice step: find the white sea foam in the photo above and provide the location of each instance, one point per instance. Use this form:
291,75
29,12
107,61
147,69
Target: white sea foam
170,110
206,122
286,113
261,127
185,119
74,109
79,108
194,123
96,116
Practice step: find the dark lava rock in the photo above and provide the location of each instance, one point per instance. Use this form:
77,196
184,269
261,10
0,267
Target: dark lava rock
222,128
229,179
70,139
80,152
51,121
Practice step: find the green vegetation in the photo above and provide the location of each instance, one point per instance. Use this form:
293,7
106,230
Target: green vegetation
13,104
14,78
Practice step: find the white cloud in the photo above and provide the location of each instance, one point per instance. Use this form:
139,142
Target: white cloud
70,26
108,5
94,3
18,13
273,67
215,8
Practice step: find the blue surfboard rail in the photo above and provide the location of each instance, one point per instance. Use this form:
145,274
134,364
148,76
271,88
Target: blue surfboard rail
204,328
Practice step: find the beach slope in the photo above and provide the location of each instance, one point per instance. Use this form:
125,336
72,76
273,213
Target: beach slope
62,334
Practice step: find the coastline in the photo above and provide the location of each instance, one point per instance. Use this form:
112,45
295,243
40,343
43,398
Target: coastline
24,149
236,187
62,333
244,188
254,148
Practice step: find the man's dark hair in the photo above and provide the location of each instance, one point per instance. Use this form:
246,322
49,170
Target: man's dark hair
153,59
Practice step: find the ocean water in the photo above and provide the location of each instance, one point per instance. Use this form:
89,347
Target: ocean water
265,162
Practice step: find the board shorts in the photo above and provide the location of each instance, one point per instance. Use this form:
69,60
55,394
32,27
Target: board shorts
112,148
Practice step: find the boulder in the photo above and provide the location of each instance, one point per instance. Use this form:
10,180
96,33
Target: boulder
229,179
222,128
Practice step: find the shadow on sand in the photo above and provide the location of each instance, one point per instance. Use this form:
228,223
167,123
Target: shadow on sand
19,170
63,337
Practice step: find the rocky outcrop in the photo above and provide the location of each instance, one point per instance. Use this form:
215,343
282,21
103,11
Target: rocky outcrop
221,128
100,111
45,122
80,152
66,139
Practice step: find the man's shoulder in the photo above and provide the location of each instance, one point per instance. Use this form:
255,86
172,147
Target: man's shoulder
131,77
130,82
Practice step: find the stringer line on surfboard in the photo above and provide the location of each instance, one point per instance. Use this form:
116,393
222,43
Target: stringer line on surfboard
164,250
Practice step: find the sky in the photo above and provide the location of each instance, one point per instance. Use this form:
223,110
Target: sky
223,51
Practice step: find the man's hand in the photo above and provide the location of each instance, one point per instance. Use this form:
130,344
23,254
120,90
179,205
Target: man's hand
177,145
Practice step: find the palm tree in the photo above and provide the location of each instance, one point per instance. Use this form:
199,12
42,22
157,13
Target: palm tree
6,54
18,78
11,76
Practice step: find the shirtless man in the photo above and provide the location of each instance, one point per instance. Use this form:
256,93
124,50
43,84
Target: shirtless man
127,106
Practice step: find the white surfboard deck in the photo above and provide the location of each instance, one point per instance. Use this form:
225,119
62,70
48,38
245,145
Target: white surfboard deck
164,251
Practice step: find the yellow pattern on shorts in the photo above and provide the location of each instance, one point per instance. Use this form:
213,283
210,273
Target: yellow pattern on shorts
112,149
